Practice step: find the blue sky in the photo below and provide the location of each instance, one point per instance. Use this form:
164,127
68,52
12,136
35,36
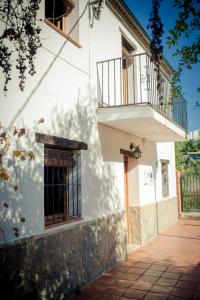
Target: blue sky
190,79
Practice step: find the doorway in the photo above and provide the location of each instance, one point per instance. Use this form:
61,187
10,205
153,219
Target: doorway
127,71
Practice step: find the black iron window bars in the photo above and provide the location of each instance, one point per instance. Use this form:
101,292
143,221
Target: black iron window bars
62,185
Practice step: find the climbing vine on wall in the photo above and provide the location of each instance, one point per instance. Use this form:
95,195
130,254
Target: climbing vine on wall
11,148
156,47
20,38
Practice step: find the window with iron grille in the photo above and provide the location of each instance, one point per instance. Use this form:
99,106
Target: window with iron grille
62,185
165,178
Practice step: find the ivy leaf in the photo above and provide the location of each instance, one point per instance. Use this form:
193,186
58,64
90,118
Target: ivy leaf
4,174
7,145
16,231
15,131
9,33
22,219
31,155
15,228
17,153
41,120
3,135
21,132
15,188
23,157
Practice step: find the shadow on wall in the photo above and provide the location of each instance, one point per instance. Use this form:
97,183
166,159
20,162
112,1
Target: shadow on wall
100,193
55,265
26,201
50,65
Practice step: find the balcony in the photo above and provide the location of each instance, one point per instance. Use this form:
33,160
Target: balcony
129,99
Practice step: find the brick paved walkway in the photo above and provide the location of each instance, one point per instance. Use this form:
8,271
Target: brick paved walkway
166,268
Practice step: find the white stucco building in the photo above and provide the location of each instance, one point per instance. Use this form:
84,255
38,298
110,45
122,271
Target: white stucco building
194,135
85,190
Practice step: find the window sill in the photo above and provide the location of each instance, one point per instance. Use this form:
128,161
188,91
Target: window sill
50,224
166,198
46,21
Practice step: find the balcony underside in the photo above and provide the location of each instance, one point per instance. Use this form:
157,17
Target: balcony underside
143,121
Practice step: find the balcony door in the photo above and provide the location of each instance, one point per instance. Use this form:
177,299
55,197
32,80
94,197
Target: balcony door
127,71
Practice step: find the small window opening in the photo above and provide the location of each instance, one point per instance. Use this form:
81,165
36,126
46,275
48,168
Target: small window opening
165,179
63,14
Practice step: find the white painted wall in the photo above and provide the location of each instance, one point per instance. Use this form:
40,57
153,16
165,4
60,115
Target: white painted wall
142,187
147,185
145,180
166,151
63,92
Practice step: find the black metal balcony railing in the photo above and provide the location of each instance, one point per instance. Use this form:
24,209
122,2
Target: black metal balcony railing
133,80
179,111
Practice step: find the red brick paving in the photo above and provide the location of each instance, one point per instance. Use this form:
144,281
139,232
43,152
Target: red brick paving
166,268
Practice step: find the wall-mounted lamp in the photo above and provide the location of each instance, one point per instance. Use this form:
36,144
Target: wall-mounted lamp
134,151
96,7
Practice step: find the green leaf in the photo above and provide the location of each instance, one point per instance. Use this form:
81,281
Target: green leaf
15,228
16,231
31,155
22,219
16,153
15,188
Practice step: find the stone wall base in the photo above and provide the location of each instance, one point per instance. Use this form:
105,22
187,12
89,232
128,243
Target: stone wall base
54,266
148,221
